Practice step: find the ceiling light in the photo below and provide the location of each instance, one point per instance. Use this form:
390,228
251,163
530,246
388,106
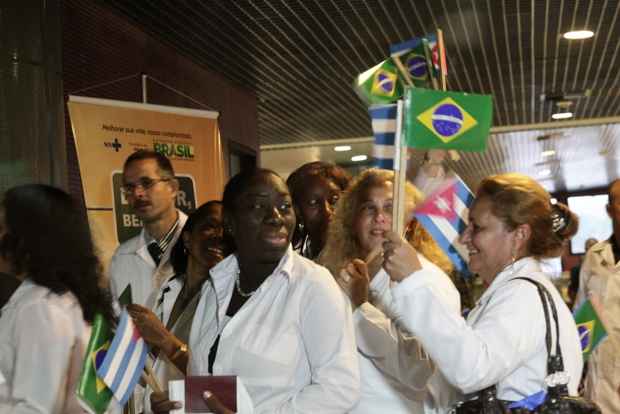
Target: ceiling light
562,115
342,148
578,34
544,173
548,153
358,158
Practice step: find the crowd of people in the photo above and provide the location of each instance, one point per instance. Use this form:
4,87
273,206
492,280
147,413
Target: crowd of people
301,290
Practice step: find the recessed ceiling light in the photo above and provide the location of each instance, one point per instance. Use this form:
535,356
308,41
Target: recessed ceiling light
544,172
578,34
562,115
342,148
358,158
548,153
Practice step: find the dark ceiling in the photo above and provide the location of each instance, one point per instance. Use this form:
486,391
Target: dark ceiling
301,56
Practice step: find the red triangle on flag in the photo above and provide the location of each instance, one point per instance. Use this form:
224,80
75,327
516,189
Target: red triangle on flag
440,203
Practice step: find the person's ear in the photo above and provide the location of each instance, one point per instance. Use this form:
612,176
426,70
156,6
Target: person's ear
523,233
186,239
174,184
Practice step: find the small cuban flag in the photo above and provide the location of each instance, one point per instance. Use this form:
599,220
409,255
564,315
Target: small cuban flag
444,214
125,359
383,118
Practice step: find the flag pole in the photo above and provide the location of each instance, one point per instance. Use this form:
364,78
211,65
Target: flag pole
443,70
149,376
400,173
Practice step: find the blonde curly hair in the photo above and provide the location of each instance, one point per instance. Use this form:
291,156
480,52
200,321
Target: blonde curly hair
342,244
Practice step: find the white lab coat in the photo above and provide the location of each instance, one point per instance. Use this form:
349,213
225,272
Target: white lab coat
503,340
599,280
133,264
43,339
291,344
395,371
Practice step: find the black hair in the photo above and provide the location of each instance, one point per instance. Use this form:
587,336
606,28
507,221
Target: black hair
48,239
235,187
179,255
163,163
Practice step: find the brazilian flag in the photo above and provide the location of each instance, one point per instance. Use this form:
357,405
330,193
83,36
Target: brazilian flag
92,393
590,328
447,120
380,84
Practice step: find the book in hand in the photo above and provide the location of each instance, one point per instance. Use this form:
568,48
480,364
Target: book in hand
224,387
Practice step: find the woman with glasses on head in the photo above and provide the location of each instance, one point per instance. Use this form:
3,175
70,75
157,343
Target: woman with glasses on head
45,242
512,225
396,376
315,188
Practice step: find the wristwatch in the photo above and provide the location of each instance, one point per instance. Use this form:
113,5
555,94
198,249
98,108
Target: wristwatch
181,349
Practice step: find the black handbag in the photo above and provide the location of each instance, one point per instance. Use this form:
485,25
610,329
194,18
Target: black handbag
557,400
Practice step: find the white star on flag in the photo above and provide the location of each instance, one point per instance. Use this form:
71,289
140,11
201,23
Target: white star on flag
442,204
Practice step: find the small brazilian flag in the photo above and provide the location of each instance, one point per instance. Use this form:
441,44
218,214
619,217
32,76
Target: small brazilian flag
92,393
380,84
447,120
414,58
590,328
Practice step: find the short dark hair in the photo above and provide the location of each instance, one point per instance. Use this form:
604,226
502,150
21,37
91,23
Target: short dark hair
163,163
48,238
297,181
179,255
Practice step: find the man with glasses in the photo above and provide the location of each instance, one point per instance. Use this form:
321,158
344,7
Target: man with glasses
143,261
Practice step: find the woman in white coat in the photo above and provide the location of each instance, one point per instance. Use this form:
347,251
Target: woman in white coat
512,224
271,317
45,326
396,375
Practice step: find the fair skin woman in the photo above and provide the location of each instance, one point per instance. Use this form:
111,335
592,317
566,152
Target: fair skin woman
511,225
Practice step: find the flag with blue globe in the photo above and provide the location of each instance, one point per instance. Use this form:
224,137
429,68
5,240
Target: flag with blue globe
447,120
380,84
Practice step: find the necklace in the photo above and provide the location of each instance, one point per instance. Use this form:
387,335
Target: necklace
239,290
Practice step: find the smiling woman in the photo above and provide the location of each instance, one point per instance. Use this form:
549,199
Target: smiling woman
271,317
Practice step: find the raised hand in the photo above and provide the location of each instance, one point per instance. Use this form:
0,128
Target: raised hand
400,259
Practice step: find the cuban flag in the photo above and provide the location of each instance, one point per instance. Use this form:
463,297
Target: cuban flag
383,119
444,214
124,360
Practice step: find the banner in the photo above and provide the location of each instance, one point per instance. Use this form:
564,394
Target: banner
106,132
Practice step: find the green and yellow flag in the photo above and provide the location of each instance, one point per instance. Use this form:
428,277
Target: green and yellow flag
590,328
447,120
380,84
92,392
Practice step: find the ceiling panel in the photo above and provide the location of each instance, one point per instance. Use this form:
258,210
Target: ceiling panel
301,56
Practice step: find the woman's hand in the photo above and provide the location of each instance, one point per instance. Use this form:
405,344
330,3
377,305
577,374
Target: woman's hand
151,328
214,404
354,281
399,258
160,404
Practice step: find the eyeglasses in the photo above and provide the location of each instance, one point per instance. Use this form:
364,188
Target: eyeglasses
143,184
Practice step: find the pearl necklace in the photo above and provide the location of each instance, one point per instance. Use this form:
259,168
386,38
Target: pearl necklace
239,290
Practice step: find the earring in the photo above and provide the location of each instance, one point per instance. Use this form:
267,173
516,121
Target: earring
301,226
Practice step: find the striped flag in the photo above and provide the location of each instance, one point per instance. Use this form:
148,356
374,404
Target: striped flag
383,119
124,360
444,214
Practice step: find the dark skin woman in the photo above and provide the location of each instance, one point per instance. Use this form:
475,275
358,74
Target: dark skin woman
45,242
275,320
315,188
200,247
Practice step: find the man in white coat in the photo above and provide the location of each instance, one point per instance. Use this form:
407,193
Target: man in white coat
599,281
144,260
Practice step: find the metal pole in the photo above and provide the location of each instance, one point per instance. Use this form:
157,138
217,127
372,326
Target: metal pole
144,89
